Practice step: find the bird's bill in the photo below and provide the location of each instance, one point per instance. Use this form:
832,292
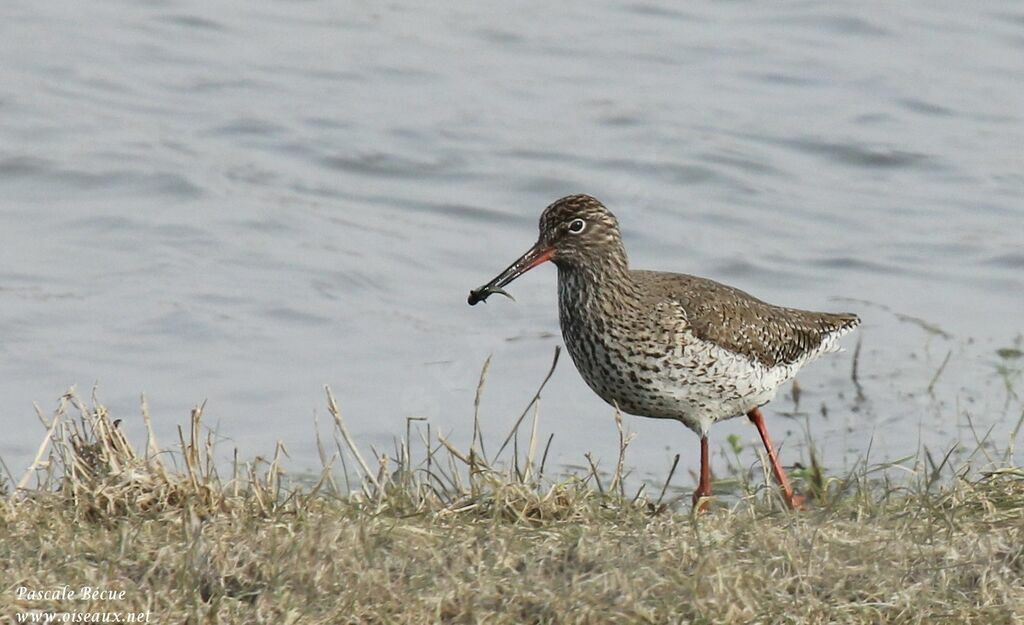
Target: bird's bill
536,255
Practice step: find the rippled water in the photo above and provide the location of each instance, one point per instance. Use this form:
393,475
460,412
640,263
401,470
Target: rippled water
245,201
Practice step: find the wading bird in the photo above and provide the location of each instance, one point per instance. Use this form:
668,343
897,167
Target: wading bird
669,345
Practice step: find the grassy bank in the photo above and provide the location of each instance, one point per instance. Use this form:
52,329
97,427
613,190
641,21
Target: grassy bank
459,538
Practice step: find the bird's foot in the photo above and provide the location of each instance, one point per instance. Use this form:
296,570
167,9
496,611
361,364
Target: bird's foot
796,502
701,500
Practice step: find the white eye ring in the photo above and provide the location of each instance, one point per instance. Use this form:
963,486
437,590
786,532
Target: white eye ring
577,226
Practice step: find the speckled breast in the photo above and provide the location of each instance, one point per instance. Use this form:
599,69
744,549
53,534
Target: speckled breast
646,362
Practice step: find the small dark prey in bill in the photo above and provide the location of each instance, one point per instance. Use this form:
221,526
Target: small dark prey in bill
481,294
669,345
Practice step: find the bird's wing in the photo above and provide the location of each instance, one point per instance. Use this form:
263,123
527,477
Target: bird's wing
743,324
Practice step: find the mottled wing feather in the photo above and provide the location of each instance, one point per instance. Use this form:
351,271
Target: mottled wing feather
741,323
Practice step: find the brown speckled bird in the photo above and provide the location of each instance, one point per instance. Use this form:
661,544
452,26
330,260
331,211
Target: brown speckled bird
669,345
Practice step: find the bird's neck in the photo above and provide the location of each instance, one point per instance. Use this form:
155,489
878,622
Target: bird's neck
599,281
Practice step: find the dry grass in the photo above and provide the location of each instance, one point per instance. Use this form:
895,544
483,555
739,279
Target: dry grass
463,538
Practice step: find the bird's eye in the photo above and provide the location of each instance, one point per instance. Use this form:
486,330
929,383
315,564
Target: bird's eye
576,226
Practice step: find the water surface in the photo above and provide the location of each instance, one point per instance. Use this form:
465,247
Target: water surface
245,201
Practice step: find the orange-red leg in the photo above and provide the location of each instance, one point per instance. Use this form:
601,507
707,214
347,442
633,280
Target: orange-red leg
794,501
704,486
